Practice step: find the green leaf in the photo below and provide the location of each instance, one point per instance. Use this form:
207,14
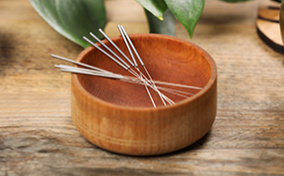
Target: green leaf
156,7
234,0
73,18
187,12
167,26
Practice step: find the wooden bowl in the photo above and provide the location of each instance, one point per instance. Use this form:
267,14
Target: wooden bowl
119,117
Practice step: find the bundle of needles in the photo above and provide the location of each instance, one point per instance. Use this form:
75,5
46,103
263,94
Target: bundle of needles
130,65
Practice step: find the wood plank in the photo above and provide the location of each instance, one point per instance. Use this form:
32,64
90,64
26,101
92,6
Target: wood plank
37,135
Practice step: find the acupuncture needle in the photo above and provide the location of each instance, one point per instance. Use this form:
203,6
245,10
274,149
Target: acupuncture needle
126,66
142,78
106,47
122,53
72,69
136,66
92,73
116,47
123,64
104,52
143,65
123,33
99,69
67,67
114,54
79,63
126,41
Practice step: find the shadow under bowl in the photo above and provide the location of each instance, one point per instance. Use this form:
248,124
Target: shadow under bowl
119,116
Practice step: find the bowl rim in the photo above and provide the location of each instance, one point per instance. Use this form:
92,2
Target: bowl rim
74,78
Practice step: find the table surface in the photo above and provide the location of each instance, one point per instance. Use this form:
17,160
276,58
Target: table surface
38,137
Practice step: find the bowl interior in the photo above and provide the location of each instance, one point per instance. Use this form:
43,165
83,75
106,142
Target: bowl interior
166,59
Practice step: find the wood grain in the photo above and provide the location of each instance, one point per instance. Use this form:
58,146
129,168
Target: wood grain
38,137
282,21
268,25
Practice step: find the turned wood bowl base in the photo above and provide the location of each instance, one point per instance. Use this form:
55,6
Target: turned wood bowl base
119,116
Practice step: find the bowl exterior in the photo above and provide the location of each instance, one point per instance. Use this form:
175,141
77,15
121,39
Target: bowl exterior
143,132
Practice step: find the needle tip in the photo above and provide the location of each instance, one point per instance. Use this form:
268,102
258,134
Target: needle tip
85,38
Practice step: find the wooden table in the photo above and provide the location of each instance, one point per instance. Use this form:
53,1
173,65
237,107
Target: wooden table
37,135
